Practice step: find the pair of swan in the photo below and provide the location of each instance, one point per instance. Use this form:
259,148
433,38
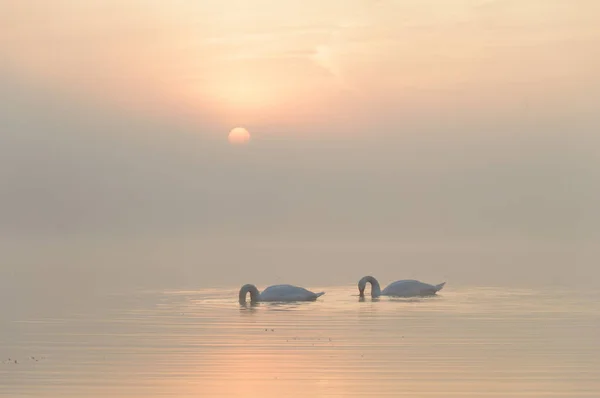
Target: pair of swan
402,288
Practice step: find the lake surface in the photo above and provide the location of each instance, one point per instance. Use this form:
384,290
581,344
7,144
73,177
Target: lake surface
479,342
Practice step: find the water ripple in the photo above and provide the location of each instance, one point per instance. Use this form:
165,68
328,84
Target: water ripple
480,342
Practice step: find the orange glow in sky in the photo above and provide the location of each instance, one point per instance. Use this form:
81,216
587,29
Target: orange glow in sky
284,62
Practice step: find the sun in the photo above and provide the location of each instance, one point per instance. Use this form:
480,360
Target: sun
238,136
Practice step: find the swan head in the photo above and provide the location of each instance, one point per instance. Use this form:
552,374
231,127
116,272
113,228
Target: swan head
375,288
248,289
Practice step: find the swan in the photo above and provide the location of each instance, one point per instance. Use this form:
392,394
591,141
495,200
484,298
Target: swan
277,293
402,288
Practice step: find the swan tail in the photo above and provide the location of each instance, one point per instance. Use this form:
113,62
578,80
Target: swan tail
439,287
319,294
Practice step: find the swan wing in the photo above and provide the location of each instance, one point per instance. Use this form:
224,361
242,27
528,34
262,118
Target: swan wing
410,288
288,293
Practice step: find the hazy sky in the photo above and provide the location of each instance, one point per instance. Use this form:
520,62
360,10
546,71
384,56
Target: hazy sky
461,122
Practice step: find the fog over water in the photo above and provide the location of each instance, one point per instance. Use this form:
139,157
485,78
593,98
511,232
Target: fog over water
453,141
85,194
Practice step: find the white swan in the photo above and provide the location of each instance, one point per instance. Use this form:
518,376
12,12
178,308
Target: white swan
277,293
402,288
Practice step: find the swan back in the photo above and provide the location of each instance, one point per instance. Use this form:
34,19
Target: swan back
411,288
288,293
254,294
375,288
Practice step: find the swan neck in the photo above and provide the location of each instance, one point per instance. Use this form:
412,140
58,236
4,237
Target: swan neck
254,294
375,287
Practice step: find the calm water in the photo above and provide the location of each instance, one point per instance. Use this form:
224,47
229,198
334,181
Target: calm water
479,342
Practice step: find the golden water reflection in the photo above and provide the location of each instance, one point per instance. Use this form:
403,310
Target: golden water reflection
467,342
